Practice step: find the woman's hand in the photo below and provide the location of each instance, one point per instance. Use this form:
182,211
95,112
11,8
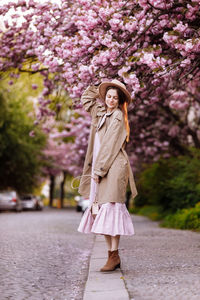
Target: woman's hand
96,178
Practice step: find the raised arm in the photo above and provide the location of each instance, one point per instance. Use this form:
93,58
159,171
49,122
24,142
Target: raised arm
89,101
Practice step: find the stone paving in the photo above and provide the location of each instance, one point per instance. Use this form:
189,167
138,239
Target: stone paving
42,256
161,264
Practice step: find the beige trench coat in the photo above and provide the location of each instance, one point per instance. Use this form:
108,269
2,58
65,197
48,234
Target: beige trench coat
112,163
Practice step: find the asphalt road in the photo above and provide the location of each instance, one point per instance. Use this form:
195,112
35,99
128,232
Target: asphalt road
42,256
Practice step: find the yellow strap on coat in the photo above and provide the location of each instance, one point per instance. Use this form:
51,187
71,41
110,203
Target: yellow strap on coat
126,121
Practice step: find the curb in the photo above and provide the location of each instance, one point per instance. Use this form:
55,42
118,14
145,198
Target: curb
103,286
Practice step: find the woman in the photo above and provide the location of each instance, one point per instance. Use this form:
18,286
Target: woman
107,163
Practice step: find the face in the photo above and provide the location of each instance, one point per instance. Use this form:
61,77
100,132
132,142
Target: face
112,100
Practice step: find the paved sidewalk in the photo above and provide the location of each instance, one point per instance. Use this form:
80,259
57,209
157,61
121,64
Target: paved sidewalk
157,263
103,286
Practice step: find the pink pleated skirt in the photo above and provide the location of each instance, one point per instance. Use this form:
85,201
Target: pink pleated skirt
112,219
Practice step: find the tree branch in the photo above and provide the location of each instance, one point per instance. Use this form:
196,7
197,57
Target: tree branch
31,71
139,36
175,5
191,70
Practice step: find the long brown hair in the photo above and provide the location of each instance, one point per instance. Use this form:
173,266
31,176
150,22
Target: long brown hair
123,106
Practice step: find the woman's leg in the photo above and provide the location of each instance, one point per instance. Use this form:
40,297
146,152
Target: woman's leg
113,261
108,241
114,242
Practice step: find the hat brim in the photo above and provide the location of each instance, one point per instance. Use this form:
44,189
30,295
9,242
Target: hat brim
104,85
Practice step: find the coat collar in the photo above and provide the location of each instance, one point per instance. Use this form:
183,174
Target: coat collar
101,111
110,113
103,118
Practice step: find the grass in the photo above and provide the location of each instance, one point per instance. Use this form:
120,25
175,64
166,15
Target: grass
183,219
150,211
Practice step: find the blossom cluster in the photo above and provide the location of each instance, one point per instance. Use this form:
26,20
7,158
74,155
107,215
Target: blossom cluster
151,46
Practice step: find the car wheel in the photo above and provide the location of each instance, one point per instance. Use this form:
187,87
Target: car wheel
78,208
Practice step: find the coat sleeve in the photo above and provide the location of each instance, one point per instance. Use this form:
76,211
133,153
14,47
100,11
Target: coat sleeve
110,146
89,100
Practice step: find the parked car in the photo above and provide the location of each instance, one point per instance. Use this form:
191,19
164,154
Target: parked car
31,202
9,200
82,203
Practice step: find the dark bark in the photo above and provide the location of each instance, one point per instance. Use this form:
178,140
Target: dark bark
194,137
181,124
62,191
51,192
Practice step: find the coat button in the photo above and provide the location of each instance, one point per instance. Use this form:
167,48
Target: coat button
101,169
89,164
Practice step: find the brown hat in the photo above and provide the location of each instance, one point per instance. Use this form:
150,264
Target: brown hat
115,83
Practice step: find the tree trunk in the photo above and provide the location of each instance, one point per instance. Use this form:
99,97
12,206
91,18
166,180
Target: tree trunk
175,117
51,192
62,190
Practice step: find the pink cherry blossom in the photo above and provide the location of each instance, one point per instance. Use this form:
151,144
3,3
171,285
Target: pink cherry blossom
34,86
151,46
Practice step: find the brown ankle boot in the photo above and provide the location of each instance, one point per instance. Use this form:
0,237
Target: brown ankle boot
112,263
109,254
